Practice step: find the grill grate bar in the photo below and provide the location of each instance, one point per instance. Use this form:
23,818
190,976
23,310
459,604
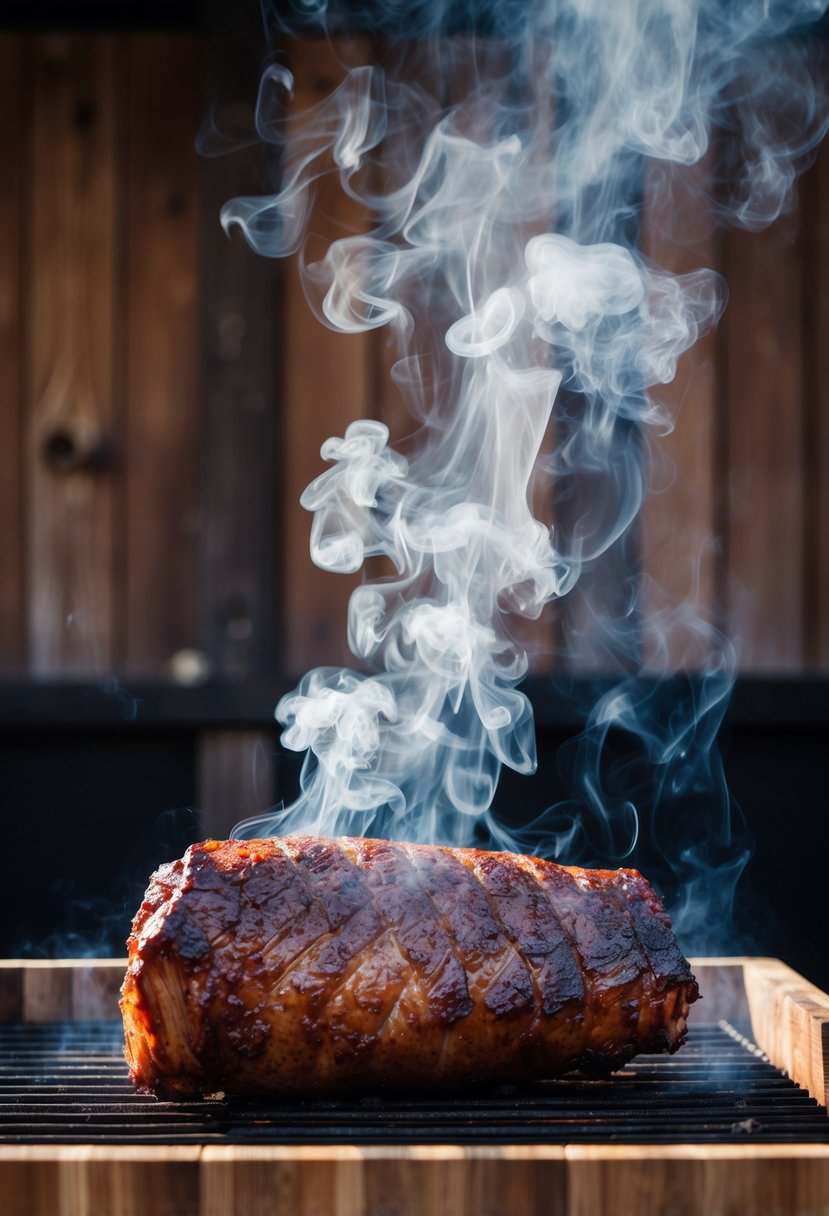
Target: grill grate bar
68,1084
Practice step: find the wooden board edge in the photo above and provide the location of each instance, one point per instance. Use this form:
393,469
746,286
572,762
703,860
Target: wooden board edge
100,1180
722,992
60,990
790,1022
406,1180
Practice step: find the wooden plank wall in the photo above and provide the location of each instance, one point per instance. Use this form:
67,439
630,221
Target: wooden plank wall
183,531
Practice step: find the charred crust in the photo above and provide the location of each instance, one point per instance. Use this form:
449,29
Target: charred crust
565,968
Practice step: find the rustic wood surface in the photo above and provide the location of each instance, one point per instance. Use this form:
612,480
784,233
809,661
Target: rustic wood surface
698,1180
818,434
679,516
722,988
57,990
326,383
790,1021
100,1180
439,1180
117,288
71,310
12,66
161,293
239,549
762,334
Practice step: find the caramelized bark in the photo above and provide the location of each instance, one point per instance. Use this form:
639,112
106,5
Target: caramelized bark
307,965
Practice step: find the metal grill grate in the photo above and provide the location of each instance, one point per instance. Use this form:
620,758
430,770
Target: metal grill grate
67,1084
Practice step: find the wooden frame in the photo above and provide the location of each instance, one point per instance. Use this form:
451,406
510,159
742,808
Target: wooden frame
784,1014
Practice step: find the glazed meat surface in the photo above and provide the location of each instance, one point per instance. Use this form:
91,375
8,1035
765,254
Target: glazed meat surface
306,965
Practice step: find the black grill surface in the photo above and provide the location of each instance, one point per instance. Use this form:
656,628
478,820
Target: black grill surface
68,1084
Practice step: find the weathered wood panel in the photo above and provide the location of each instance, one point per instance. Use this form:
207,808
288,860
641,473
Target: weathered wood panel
326,382
55,990
762,394
679,516
238,557
818,407
11,228
161,355
71,309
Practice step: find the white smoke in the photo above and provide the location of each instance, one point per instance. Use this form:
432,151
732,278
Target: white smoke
503,259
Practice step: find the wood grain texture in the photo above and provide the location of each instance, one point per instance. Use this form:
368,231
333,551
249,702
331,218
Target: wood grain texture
818,504
679,516
53,990
722,989
698,1180
441,1180
161,390
70,322
236,778
762,332
11,230
239,539
104,1180
790,1021
326,383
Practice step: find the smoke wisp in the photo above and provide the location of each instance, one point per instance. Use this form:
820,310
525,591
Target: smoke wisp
503,257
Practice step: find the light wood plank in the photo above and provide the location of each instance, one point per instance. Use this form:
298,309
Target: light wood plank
344,1180
163,88
763,382
678,520
722,989
326,383
71,310
104,1180
698,1180
52,990
11,227
790,1021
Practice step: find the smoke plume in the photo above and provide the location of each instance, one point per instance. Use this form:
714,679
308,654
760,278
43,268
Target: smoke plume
504,183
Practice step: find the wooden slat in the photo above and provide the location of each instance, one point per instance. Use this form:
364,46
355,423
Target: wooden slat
697,1180
722,989
679,514
700,1180
442,1180
70,320
11,224
71,257
818,505
163,88
236,778
327,382
790,1021
762,392
238,543
52,990
105,1180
